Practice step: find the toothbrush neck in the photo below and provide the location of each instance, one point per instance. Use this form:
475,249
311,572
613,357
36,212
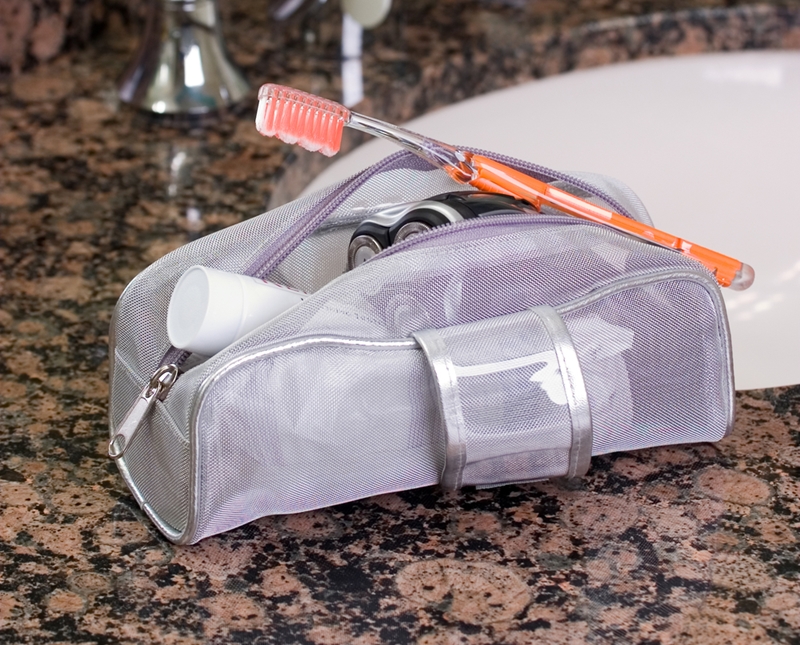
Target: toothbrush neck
449,158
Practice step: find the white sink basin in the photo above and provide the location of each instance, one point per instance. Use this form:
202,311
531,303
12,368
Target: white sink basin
710,143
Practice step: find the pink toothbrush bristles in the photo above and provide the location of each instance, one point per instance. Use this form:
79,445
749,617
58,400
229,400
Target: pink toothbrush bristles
297,117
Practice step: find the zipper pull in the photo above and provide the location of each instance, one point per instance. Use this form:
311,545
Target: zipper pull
157,389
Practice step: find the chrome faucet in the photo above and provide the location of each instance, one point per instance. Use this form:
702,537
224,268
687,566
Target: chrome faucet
182,66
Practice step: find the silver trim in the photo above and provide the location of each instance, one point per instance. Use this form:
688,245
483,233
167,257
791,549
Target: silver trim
166,529
276,348
450,406
580,452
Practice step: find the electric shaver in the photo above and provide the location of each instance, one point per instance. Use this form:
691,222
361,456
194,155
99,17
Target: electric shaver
402,221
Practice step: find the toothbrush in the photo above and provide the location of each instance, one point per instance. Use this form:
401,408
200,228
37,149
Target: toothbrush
317,124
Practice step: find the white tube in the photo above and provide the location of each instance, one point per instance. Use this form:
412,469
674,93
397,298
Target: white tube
210,309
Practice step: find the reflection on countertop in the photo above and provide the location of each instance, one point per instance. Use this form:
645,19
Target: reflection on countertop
687,544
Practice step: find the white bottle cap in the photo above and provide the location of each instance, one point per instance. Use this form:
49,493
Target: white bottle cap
210,309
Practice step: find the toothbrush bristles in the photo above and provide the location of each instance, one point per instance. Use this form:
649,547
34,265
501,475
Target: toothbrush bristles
293,116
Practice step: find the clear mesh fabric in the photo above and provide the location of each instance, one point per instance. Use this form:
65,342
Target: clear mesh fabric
652,362
340,405
311,427
157,462
470,273
160,458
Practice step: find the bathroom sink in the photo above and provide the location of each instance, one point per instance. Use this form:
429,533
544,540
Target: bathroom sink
711,143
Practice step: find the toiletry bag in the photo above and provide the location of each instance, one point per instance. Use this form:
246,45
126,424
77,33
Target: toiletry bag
496,350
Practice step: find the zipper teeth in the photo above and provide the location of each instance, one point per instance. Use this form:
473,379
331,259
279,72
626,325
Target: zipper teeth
270,258
555,175
262,266
286,345
477,223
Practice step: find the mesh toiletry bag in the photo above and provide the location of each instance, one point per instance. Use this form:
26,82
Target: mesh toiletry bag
494,350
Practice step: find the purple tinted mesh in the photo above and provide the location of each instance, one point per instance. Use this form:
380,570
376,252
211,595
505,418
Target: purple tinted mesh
470,271
313,427
160,458
459,279
511,397
654,366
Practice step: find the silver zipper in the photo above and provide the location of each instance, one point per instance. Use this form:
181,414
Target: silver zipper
156,390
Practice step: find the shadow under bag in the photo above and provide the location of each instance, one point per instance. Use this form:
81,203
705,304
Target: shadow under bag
494,350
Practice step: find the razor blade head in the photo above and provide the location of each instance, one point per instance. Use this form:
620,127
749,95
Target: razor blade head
401,222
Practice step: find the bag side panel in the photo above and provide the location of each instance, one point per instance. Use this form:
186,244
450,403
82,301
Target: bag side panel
655,359
156,465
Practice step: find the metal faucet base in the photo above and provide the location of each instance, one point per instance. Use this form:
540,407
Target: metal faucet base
182,66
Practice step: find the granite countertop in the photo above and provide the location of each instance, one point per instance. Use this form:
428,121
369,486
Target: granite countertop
686,544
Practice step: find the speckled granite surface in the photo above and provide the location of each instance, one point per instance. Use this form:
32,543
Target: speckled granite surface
691,544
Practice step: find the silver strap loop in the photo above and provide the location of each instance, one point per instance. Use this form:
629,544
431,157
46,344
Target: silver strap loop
580,454
446,375
455,430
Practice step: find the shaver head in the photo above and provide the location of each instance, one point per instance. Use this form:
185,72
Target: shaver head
403,221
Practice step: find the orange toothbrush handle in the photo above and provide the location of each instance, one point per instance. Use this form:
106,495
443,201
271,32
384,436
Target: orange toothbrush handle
494,176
